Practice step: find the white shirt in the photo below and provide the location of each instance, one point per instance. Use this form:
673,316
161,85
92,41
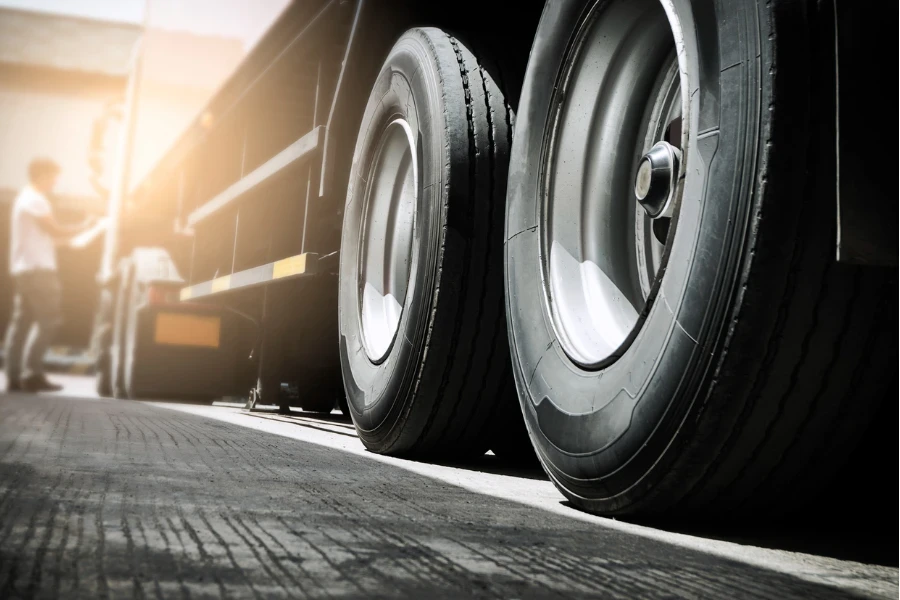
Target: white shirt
31,247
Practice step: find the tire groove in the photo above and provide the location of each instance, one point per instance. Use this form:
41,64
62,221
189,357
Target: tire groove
464,279
485,270
794,378
826,371
862,366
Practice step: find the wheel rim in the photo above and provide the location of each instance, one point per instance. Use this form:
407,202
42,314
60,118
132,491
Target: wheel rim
387,232
599,255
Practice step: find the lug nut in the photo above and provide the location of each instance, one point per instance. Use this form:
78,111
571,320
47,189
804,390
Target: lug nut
654,185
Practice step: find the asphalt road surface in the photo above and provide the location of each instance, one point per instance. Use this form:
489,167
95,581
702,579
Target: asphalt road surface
103,498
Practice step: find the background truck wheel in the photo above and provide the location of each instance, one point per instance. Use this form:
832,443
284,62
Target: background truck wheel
342,404
320,394
509,438
104,376
101,342
120,319
716,358
423,336
318,365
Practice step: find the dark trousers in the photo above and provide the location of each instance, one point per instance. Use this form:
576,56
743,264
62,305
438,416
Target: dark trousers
36,317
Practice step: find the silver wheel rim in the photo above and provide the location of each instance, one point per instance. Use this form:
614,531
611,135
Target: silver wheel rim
599,256
387,232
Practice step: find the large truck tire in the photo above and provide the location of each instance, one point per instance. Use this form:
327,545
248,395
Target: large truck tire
104,376
423,338
718,361
101,342
120,320
315,355
320,391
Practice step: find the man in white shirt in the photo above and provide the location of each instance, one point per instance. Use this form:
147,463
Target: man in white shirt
34,234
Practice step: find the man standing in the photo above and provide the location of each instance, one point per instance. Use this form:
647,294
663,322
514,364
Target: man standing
34,233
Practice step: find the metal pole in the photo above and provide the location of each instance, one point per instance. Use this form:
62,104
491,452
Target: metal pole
119,188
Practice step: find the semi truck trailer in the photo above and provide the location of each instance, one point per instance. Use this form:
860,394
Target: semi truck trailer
640,240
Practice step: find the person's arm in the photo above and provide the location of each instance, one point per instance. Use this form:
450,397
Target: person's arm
60,231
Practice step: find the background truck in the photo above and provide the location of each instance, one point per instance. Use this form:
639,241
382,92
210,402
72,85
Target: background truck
636,238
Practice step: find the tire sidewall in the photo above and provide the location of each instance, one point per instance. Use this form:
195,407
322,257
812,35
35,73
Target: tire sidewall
604,436
131,358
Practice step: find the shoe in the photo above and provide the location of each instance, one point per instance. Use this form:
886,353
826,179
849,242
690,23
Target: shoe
39,383
13,386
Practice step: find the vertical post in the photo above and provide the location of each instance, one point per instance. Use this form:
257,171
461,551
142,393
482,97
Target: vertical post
119,189
309,169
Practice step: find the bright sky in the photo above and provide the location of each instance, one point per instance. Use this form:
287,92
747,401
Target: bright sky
240,19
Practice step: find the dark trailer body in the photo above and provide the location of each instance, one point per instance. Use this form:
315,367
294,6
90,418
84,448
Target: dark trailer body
260,178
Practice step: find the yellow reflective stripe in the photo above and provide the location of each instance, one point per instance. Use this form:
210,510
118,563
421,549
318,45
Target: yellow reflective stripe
286,267
221,284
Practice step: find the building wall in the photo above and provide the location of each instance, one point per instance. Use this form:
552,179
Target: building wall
48,124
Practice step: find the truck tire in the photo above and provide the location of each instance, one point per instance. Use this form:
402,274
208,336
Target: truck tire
423,338
320,394
342,404
317,370
509,438
120,321
102,342
104,377
720,361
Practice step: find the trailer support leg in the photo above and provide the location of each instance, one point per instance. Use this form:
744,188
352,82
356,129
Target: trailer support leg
268,381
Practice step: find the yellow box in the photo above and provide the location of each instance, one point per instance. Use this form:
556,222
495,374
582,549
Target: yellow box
174,329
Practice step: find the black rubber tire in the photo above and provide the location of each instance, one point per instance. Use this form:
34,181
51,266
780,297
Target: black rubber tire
104,376
509,438
130,341
447,373
343,405
762,360
120,322
318,370
320,395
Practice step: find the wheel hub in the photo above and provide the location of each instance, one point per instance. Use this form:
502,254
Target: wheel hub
654,184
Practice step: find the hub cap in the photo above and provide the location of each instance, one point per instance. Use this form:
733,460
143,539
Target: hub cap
654,184
387,229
